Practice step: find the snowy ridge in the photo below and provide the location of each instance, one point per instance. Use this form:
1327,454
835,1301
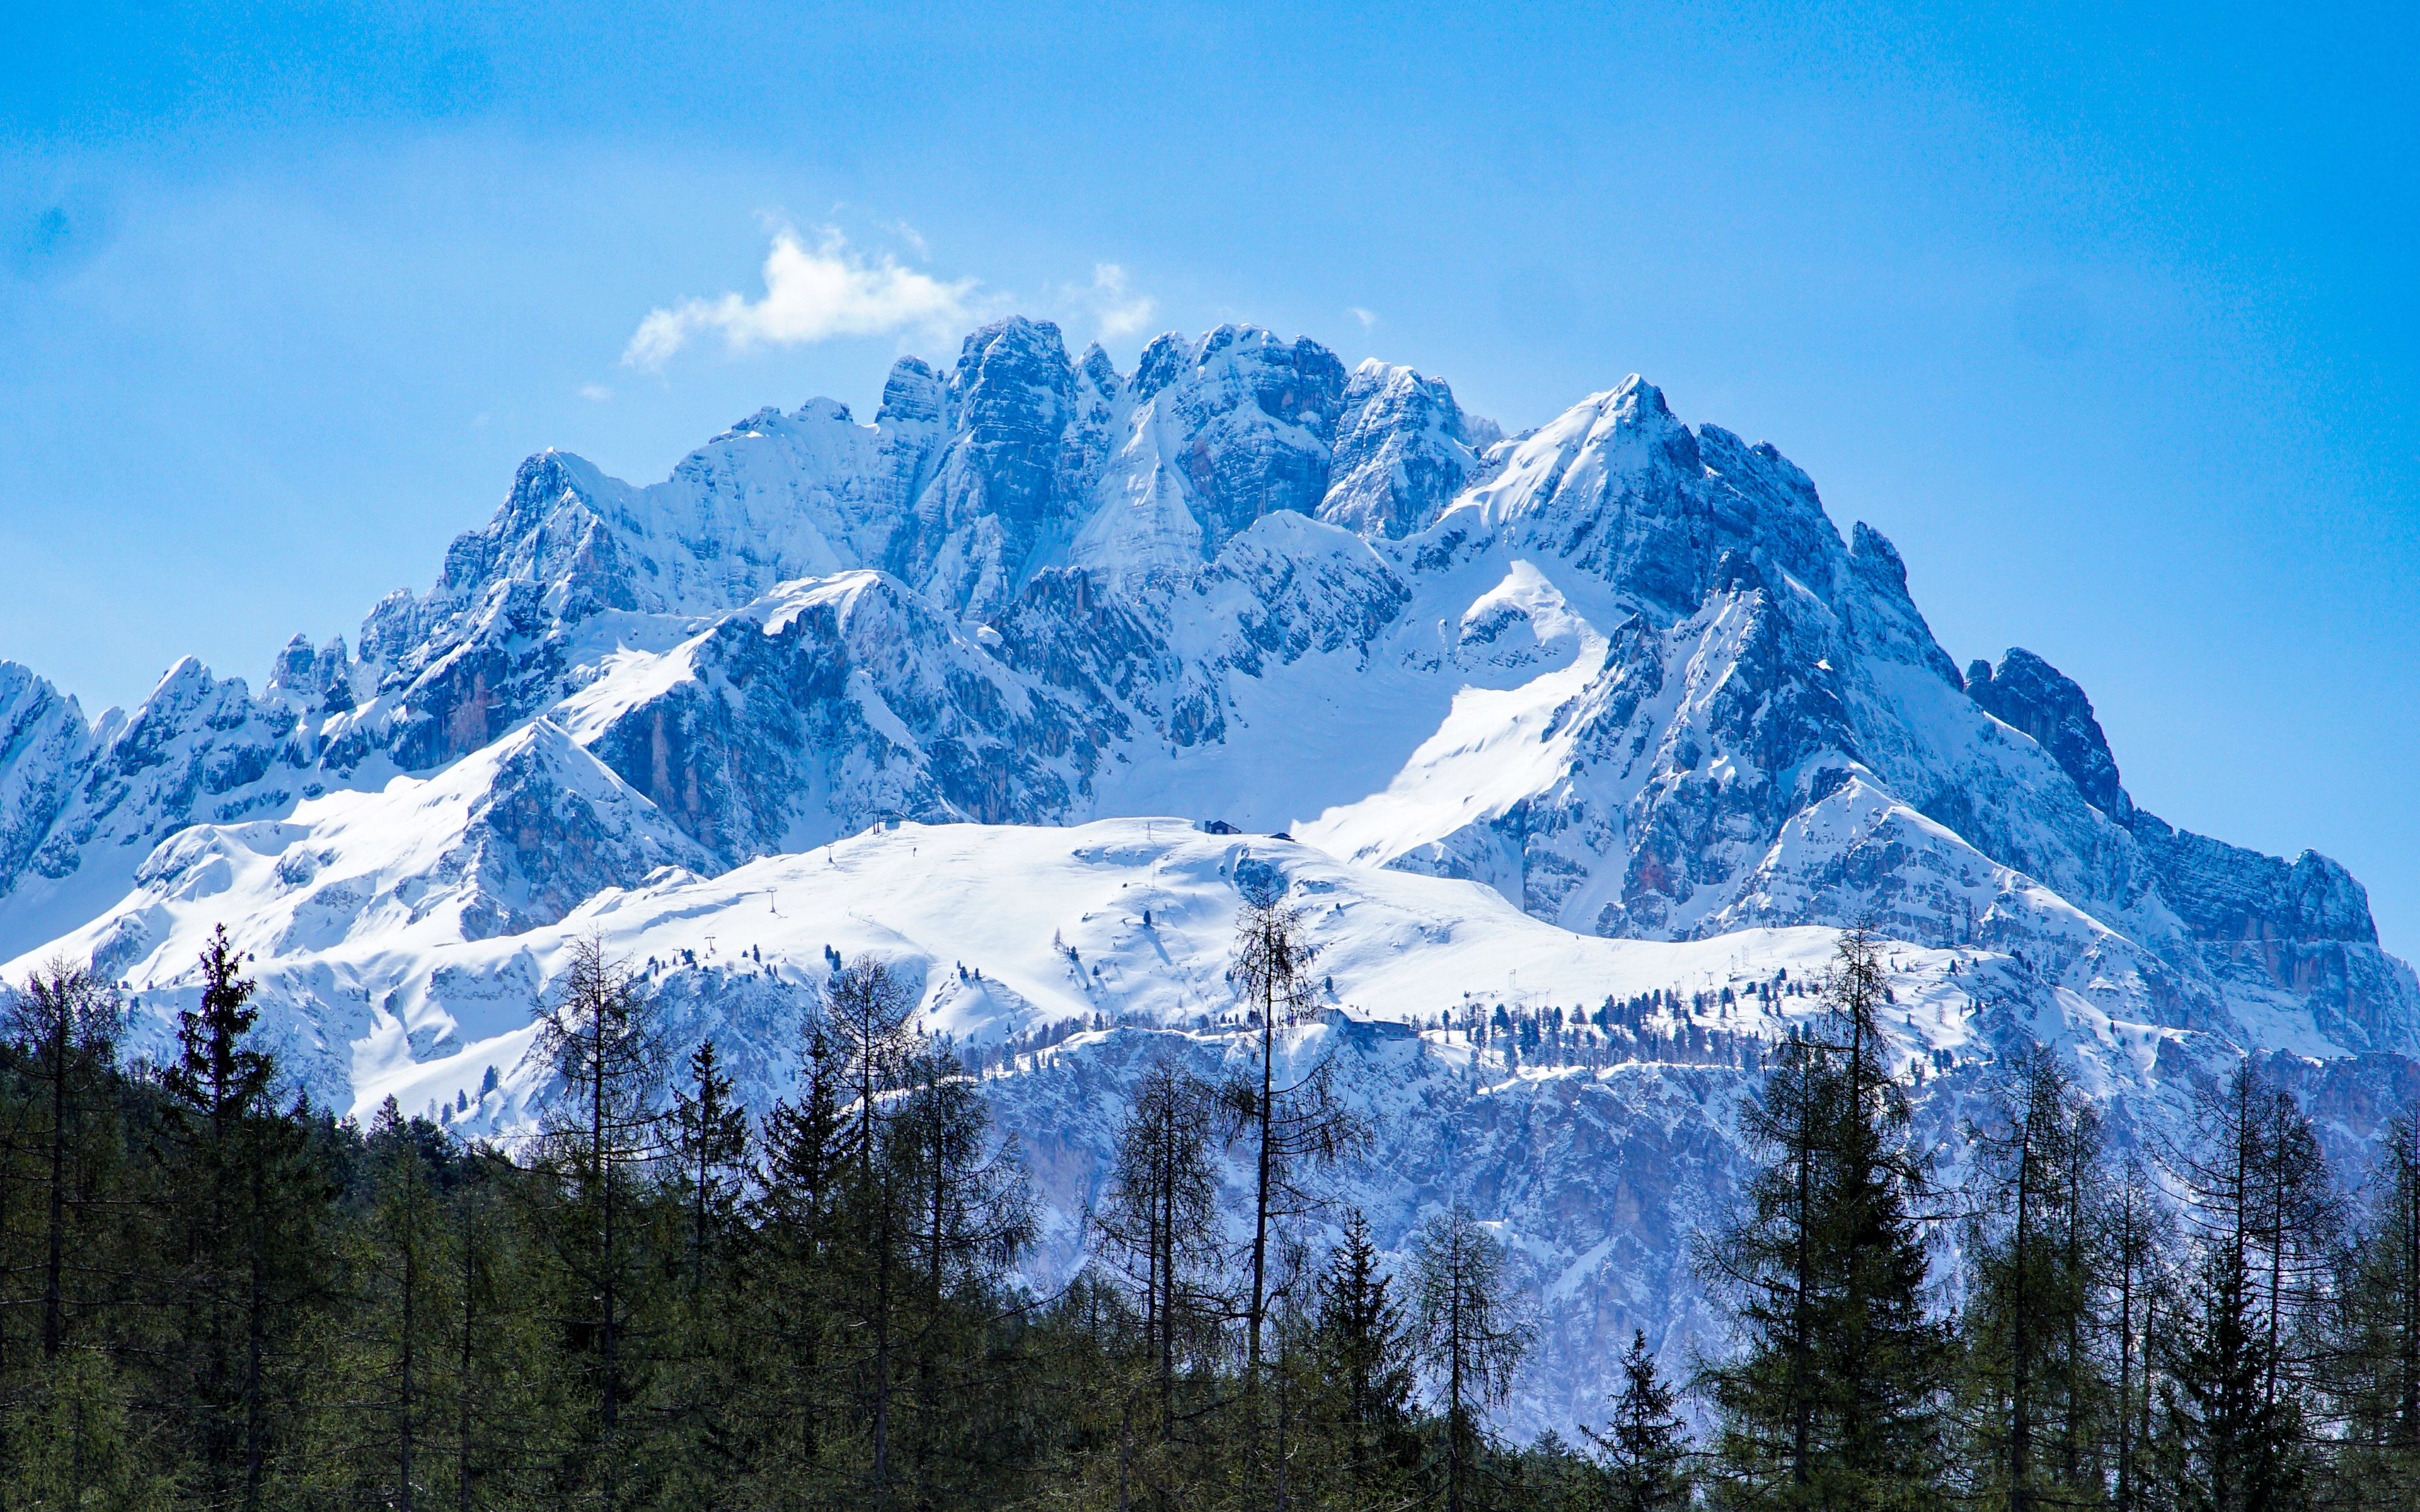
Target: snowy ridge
1609,709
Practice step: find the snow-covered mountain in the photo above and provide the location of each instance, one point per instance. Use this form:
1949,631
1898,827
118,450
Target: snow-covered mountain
1608,719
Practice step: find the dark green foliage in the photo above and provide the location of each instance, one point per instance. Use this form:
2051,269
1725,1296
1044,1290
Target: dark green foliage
2373,1383
1644,1451
1361,1354
2034,1399
2238,1394
214,1295
1834,1397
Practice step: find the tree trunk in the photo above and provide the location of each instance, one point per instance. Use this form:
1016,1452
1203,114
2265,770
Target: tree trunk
256,1342
462,1400
54,1302
1260,1185
403,1450
2020,1409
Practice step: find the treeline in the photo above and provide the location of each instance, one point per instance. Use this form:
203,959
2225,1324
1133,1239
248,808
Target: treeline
2215,1328
215,1294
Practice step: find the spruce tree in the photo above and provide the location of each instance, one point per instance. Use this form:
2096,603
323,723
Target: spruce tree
710,1140
2373,1377
245,1204
701,1375
795,1249
1644,1447
1361,1344
1833,1397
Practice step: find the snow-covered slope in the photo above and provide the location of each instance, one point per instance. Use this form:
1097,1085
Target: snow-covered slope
1610,703
1062,959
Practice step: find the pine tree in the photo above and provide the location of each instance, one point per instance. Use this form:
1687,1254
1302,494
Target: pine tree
83,1443
384,1367
2037,1399
1834,1398
64,1027
2373,1375
2258,1207
1469,1335
974,1215
598,1145
246,1207
868,1008
795,1244
710,1138
701,1375
491,1339
1362,1345
1644,1447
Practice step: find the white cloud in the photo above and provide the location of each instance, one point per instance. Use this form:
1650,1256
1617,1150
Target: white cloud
596,392
1119,311
811,294
1361,315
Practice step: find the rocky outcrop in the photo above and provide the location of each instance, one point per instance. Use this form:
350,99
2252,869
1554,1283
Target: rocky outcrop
2029,694
1623,670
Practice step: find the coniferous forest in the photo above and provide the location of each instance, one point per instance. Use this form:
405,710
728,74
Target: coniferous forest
215,1294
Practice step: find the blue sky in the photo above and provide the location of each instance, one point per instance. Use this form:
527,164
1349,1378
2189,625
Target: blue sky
2106,314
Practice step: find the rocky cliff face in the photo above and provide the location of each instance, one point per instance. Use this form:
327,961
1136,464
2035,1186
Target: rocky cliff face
1622,670
1623,673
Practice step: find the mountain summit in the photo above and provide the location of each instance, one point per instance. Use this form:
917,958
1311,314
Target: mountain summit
1600,727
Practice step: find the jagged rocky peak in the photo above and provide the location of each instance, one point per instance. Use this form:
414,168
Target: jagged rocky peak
1404,449
1618,485
2029,694
2237,897
1248,420
995,493
316,680
44,744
